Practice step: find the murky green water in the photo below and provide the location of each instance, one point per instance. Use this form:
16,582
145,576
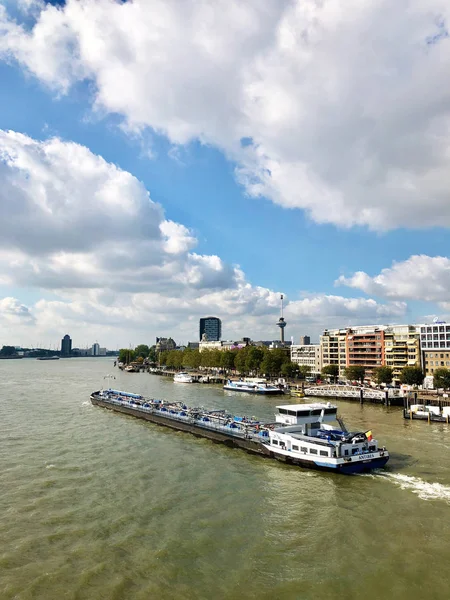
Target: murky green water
97,505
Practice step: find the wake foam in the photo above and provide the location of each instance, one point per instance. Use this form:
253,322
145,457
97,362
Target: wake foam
424,489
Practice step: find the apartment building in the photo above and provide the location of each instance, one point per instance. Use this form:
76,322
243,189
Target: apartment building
372,346
365,348
307,355
435,346
401,348
333,348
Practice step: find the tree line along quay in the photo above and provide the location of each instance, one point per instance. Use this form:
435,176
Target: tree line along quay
271,363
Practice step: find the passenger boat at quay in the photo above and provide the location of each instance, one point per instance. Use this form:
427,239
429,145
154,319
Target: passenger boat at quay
252,385
183,378
302,434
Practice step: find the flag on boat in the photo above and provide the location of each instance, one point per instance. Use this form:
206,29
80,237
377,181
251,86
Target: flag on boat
369,435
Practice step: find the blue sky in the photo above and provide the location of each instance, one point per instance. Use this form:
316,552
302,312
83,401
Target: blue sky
337,207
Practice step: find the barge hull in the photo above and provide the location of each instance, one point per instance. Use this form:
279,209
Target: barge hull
215,436
250,446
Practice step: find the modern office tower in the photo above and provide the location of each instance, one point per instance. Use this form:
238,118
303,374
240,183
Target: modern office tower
66,345
210,329
305,340
95,349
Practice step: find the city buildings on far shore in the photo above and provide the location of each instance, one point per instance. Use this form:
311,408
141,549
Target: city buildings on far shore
67,350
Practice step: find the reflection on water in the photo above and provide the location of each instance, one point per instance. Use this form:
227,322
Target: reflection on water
99,505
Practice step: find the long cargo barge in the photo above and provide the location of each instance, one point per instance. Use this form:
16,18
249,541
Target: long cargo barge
301,434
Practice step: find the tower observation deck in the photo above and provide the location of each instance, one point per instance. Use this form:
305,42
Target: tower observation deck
281,322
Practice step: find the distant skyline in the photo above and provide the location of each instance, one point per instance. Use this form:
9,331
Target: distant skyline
202,160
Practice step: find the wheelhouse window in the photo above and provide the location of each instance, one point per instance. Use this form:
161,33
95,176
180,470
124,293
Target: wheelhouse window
303,449
323,453
275,442
329,411
312,451
295,448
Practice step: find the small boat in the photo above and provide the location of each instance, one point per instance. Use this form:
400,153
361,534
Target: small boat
47,358
252,385
183,378
427,412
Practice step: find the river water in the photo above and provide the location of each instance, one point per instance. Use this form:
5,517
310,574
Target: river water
98,505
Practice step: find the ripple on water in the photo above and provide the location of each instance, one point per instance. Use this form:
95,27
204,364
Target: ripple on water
99,505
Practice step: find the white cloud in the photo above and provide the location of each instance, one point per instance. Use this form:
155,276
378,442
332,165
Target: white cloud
420,277
81,228
325,306
345,103
14,312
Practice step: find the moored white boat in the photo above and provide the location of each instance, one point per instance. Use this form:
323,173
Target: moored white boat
427,412
252,385
183,378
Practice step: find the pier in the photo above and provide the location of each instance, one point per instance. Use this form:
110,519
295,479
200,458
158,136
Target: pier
426,409
361,394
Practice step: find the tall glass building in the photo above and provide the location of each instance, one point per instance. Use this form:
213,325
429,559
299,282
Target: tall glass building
66,345
212,327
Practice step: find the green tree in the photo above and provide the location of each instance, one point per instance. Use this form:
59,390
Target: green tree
152,354
162,358
330,371
191,358
303,371
227,359
268,364
280,356
254,357
210,358
383,375
142,350
8,351
290,369
126,355
441,379
355,373
240,360
412,376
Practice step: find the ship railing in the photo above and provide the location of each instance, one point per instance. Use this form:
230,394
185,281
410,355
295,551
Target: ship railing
211,425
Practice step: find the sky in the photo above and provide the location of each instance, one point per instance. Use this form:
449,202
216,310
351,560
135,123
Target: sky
161,161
